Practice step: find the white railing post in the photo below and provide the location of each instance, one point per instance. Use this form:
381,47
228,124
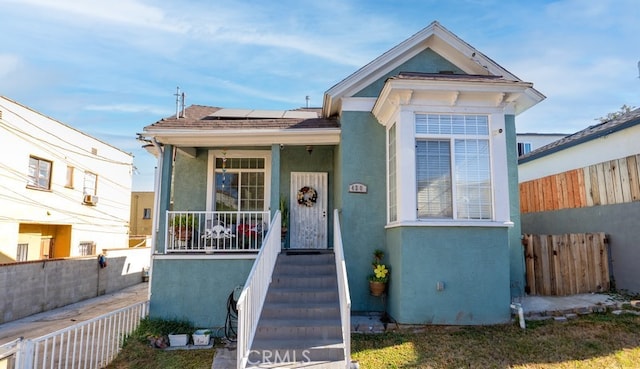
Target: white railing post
253,294
343,288
71,348
215,231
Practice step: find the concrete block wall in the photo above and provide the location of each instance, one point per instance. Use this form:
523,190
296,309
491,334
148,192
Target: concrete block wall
33,287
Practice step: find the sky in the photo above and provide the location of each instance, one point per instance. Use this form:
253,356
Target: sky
111,67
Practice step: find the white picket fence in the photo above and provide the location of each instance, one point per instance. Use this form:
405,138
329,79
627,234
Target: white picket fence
92,344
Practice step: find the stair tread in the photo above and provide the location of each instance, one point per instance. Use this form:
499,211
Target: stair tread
293,344
322,364
300,322
294,289
301,305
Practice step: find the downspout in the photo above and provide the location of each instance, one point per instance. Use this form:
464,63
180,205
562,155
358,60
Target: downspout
517,306
156,207
156,190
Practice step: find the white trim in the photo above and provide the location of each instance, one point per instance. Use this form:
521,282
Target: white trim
211,169
406,166
448,223
358,103
506,97
434,36
247,137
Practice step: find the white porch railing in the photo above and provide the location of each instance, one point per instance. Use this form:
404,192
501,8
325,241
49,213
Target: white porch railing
343,288
252,298
91,344
215,231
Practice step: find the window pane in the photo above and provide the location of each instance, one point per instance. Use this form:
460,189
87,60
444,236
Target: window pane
252,192
452,124
433,176
90,183
393,202
473,179
226,192
39,174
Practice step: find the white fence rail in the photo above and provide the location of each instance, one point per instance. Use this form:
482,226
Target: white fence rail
8,353
343,288
254,293
92,344
215,231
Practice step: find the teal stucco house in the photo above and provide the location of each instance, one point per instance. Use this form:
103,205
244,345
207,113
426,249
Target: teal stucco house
414,153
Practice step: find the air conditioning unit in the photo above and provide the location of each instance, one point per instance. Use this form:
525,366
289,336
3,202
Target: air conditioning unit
90,199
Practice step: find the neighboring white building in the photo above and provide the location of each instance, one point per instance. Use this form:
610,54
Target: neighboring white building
528,142
62,192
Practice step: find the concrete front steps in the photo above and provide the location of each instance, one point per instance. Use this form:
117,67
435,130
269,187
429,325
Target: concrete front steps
300,323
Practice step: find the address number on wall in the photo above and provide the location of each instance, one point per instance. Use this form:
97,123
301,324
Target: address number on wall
358,188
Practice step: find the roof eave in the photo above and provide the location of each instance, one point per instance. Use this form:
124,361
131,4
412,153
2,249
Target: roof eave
245,137
542,153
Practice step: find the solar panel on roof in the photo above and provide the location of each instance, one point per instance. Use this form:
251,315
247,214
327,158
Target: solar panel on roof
274,114
264,114
230,113
300,114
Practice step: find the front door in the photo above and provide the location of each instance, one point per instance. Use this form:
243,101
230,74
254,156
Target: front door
308,210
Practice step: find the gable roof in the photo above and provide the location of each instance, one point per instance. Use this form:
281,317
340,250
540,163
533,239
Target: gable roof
435,37
620,123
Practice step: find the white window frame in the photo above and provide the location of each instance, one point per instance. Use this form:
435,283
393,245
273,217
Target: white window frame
451,139
392,178
90,184
406,167
236,154
526,148
33,179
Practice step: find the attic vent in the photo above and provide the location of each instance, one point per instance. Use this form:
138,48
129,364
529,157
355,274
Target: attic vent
94,151
446,72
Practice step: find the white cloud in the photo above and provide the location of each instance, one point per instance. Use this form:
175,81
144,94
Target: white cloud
127,12
128,108
8,64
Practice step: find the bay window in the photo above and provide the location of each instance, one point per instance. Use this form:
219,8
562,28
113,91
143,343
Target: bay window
453,175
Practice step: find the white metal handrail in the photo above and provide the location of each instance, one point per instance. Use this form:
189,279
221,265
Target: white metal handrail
343,288
91,344
8,353
253,294
215,231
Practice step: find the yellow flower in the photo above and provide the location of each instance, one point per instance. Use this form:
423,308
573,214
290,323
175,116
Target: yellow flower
381,271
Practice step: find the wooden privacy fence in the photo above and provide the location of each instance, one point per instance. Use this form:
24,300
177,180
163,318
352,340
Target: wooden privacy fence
566,264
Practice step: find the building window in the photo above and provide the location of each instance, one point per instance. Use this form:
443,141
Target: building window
146,213
240,184
39,173
392,185
70,171
90,184
453,171
23,252
524,148
87,248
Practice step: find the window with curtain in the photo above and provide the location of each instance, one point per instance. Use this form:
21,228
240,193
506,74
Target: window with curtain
90,184
453,174
240,184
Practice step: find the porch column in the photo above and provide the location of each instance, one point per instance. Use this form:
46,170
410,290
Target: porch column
275,179
164,196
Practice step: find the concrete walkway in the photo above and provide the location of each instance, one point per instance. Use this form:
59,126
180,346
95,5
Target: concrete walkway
38,325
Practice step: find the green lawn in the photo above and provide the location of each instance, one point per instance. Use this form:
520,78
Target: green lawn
591,341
